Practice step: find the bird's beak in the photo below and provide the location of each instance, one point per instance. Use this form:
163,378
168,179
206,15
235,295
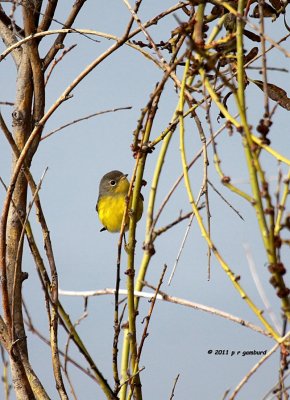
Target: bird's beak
124,176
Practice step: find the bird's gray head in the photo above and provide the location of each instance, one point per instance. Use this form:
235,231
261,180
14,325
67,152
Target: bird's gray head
110,183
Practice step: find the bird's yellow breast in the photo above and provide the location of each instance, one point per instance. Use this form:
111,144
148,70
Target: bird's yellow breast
111,210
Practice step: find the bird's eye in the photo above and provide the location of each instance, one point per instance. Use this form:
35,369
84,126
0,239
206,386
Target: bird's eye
112,182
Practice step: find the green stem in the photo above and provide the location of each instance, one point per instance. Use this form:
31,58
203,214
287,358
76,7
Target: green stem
251,157
130,342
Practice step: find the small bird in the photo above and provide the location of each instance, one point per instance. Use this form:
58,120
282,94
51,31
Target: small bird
113,189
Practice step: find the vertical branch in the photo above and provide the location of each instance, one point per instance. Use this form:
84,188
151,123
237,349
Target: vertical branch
132,306
150,111
117,323
22,127
30,18
251,156
11,228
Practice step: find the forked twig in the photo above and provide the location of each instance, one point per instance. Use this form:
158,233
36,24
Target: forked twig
225,200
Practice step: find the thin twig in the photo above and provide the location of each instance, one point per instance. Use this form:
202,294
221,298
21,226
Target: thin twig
270,69
6,103
85,118
117,331
128,380
56,61
174,386
179,219
183,241
225,200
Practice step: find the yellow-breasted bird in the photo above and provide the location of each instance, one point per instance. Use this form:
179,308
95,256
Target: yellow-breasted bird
113,189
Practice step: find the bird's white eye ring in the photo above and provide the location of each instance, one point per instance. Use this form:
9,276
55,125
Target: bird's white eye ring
112,182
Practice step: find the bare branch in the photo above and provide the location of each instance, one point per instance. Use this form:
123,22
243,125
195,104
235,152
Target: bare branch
83,119
165,297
